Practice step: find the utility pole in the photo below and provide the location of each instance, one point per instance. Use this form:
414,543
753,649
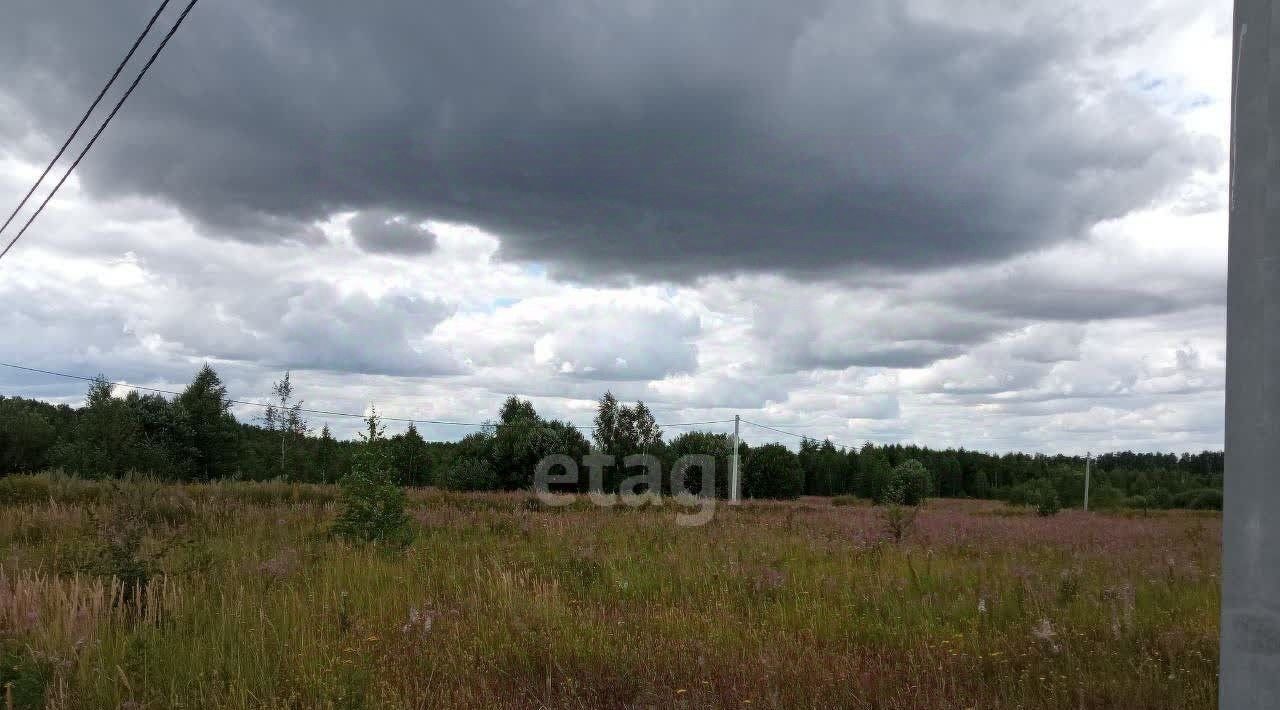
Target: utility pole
1249,671
1087,456
735,488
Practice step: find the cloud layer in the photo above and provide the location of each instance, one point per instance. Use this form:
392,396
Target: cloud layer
605,137
996,227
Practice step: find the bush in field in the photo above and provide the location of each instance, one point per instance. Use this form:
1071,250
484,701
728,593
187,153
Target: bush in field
24,489
1160,497
914,481
898,520
896,516
1106,496
469,474
24,674
1199,499
907,483
372,503
1039,494
1137,503
1045,497
772,471
137,508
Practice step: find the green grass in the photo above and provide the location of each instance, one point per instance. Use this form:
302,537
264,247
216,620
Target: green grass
495,604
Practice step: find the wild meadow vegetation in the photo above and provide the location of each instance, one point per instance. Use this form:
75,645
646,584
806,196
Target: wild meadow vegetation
157,553
139,594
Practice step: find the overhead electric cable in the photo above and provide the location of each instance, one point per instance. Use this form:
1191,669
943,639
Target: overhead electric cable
186,11
321,412
75,131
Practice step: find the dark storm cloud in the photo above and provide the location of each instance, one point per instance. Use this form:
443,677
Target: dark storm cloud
838,330
378,231
1042,297
659,139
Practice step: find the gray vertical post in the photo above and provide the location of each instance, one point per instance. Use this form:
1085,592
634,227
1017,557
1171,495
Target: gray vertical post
735,488
1250,653
1087,457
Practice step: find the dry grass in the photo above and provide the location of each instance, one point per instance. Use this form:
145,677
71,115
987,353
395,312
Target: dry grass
494,605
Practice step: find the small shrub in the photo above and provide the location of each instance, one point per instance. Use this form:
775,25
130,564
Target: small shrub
23,676
532,504
1160,497
469,474
1106,496
132,535
1137,502
1040,494
1199,499
1046,500
908,484
24,490
912,476
896,518
373,507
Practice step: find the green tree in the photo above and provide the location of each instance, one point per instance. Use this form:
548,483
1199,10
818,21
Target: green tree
697,443
26,437
772,471
606,431
106,435
912,480
284,417
157,444
981,486
469,474
1046,497
411,459
326,456
522,438
207,428
877,474
808,458
950,477
853,484
621,431
372,505
829,473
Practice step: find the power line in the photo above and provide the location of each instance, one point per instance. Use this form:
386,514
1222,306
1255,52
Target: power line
804,437
75,131
103,127
713,421
321,412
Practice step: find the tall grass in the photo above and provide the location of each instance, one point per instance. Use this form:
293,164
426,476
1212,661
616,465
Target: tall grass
497,605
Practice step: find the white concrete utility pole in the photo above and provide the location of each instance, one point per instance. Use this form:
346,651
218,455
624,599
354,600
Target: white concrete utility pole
735,489
1088,455
1250,653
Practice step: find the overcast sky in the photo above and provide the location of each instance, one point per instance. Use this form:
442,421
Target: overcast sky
998,225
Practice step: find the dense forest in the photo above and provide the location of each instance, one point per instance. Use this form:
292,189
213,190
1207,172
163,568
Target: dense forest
193,436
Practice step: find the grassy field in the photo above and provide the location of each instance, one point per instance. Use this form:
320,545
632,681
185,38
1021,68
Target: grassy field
496,603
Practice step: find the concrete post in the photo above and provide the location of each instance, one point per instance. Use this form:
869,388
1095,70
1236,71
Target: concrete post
735,485
1250,651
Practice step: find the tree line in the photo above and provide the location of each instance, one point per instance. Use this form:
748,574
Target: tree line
194,437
